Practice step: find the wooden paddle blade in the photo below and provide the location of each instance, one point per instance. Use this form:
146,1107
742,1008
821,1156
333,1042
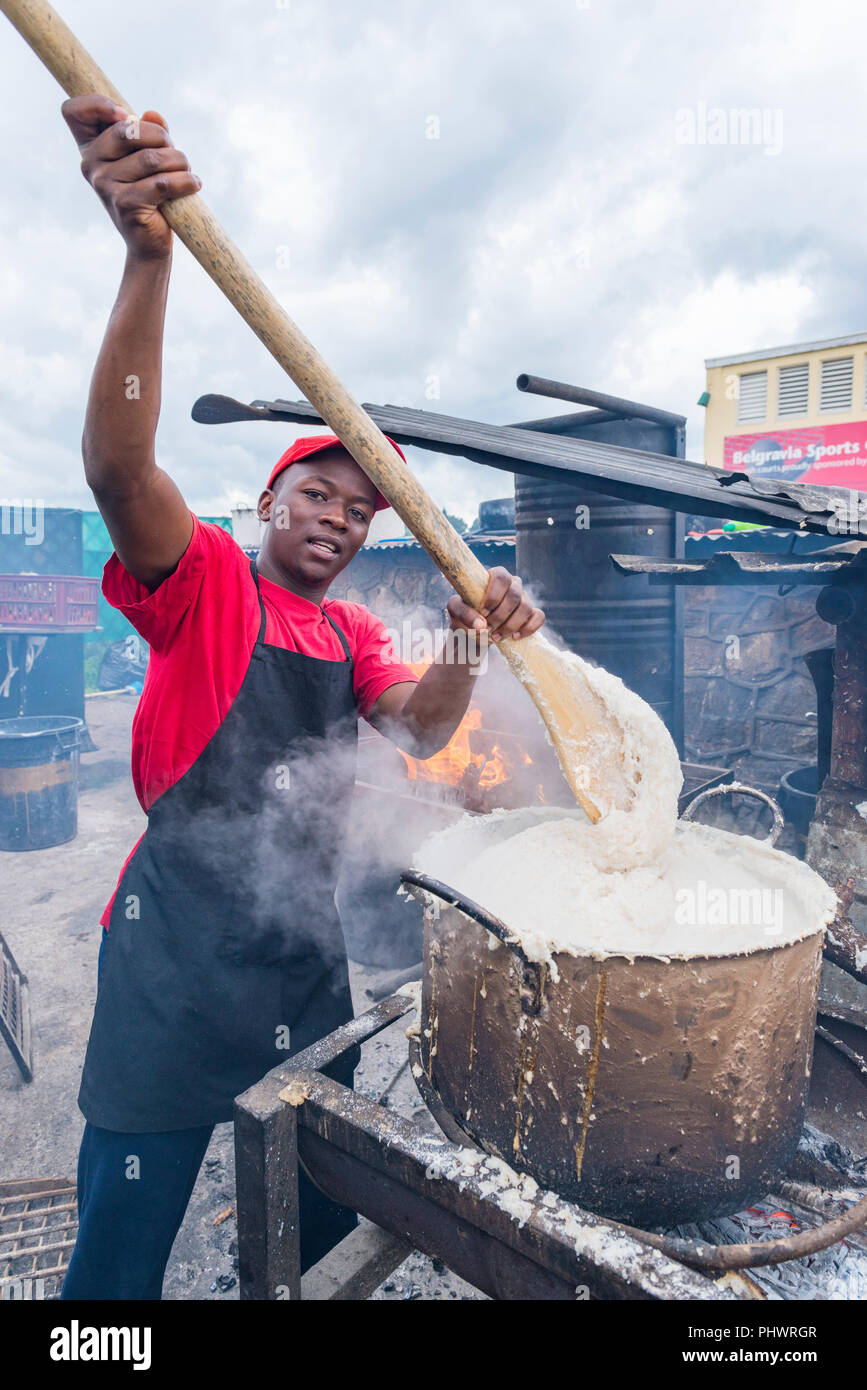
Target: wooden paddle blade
587,739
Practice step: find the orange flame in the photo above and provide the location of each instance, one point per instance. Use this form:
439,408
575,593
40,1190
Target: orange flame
459,764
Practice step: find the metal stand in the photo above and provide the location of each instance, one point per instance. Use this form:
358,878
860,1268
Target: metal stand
423,1193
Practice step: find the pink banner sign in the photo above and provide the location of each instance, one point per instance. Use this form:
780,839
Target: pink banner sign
826,454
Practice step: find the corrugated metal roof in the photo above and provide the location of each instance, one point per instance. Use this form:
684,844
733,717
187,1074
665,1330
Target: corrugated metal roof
499,542
632,474
769,538
746,567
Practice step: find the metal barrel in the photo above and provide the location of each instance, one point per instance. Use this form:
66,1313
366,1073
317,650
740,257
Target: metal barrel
38,781
564,537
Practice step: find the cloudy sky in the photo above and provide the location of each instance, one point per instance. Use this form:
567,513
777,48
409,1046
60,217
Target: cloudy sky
561,223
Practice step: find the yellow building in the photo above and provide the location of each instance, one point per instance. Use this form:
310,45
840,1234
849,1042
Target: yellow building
795,412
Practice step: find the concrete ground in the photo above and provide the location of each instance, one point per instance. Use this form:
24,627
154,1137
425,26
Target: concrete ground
51,904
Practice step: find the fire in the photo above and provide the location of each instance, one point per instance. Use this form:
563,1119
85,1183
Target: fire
452,764
471,764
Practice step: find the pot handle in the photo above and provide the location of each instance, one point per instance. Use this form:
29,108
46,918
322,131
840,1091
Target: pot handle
69,739
429,1094
534,974
729,787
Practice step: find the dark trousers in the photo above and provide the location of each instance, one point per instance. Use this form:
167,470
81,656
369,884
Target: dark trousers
133,1191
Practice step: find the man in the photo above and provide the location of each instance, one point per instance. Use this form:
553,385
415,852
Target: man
222,952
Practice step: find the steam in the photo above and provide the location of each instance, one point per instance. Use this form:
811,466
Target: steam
275,854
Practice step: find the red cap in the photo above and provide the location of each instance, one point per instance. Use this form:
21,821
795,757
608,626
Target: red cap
314,444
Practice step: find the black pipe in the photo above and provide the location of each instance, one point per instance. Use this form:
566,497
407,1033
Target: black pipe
561,391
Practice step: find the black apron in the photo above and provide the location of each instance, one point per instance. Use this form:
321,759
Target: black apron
224,953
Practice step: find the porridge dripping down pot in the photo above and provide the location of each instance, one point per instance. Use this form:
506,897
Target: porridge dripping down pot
651,1091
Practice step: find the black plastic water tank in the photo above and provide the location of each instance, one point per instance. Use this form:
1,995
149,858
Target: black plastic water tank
565,535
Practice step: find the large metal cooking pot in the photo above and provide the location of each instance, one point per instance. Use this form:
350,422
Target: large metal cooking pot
651,1091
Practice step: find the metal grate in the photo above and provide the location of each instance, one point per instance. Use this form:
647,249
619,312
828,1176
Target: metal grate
793,388
38,1225
15,1011
835,392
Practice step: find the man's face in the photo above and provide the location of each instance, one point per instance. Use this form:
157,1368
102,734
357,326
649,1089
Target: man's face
318,516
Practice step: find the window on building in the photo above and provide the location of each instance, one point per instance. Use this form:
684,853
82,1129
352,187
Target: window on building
752,397
836,383
793,389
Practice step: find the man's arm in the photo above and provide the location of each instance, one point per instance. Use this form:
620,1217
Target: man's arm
422,718
134,168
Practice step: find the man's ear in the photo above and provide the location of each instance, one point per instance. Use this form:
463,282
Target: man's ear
264,505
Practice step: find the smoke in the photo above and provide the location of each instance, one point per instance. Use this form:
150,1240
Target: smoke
306,824
298,834
268,847
393,816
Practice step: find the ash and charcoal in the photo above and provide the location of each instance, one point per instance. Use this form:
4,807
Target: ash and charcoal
826,1179
832,1180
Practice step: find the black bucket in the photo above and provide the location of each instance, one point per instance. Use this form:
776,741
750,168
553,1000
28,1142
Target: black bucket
797,797
39,781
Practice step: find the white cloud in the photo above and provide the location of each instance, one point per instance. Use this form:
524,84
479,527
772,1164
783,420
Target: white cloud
555,226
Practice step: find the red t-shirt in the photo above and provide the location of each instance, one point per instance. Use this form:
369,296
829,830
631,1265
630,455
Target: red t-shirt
201,626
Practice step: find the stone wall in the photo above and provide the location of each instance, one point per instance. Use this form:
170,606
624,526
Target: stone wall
749,699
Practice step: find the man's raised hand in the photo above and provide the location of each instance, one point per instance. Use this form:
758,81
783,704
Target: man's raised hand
133,166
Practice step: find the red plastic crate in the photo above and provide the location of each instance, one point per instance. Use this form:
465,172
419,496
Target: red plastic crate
48,603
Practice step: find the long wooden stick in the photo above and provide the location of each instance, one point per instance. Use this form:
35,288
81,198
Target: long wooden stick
573,715
192,220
